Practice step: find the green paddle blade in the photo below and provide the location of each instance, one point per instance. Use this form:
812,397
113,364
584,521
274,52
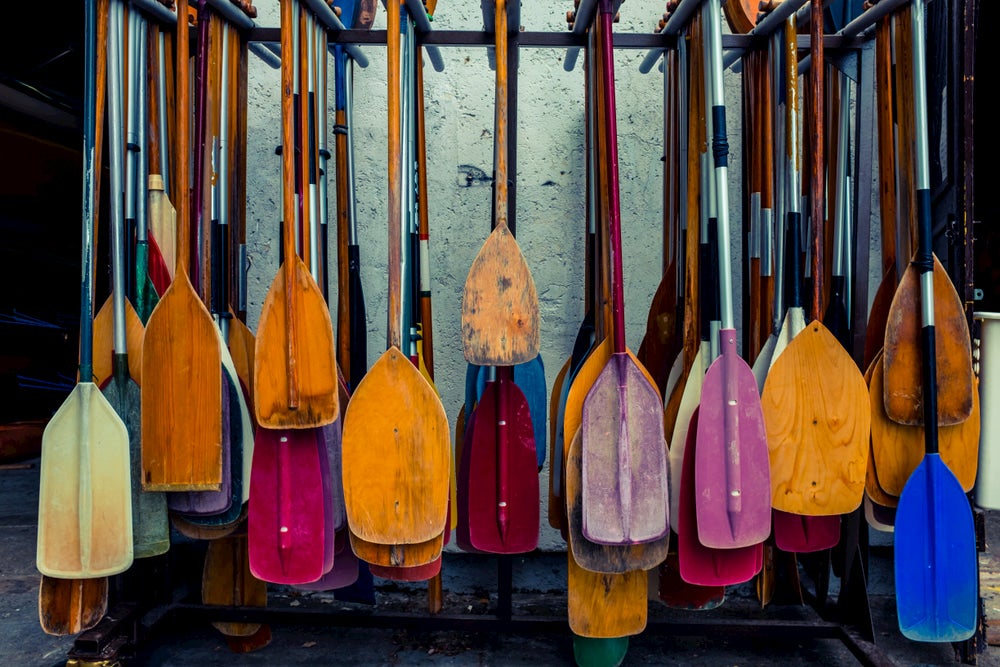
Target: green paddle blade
935,557
590,652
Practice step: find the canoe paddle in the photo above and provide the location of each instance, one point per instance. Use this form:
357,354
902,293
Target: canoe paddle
624,456
181,446
731,467
936,566
150,525
162,235
396,442
85,501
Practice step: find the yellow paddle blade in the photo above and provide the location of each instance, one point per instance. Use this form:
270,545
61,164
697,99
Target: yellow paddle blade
104,343
226,580
398,555
898,449
606,605
295,379
85,494
396,451
903,352
182,395
500,320
818,422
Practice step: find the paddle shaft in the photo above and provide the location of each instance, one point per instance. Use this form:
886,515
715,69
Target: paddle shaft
394,297
90,177
288,200
817,164
116,148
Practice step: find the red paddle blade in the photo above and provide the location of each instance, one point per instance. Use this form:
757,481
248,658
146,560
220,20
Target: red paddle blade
158,271
285,527
625,488
798,533
462,538
699,564
732,470
679,594
502,485
418,573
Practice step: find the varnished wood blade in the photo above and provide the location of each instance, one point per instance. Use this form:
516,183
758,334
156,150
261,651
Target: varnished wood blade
295,379
226,580
104,348
414,555
85,490
181,394
903,391
818,425
500,319
70,606
555,511
396,450
606,605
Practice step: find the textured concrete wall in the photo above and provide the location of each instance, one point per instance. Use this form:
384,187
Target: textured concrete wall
550,182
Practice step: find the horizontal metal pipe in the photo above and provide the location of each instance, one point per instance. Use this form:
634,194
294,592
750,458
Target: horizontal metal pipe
333,25
265,54
157,10
232,13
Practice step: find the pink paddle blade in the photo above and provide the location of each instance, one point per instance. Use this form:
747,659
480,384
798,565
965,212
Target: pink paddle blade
732,470
503,496
287,533
625,489
345,568
798,533
699,564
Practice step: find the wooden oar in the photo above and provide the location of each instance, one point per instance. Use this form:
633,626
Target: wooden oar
936,566
731,467
295,367
150,526
624,459
396,435
70,606
227,580
903,389
85,503
182,367
162,235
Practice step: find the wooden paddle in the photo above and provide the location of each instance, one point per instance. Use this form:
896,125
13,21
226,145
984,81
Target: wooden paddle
624,464
227,580
936,566
295,367
162,216
70,606
902,357
396,436
500,320
182,449
85,504
731,467
150,526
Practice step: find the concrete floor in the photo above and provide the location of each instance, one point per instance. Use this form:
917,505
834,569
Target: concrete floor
733,634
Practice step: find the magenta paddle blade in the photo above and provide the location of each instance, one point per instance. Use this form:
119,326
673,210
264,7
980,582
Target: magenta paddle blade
285,522
732,470
798,533
697,563
345,568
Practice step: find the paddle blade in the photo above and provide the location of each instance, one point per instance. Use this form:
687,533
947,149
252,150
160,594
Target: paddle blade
295,365
181,395
503,496
403,556
70,606
625,485
903,351
679,594
285,524
606,606
936,567
530,377
798,533
732,477
104,348
226,580
590,652
500,321
395,455
85,492
816,409
345,571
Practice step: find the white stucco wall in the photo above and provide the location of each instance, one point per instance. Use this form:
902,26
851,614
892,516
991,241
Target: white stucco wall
550,183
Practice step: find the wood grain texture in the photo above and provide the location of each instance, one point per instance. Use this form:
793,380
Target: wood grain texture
818,424
70,606
602,558
314,356
396,450
104,346
898,449
605,605
85,490
500,319
226,580
873,489
903,388
741,15
242,346
413,555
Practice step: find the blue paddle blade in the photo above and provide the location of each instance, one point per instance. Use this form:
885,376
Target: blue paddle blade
530,379
935,557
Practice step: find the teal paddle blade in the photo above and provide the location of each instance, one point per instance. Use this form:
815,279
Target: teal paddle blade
936,565
593,652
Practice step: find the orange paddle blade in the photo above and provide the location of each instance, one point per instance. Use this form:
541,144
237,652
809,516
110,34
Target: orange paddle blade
104,347
182,395
295,365
398,555
606,605
70,606
396,450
